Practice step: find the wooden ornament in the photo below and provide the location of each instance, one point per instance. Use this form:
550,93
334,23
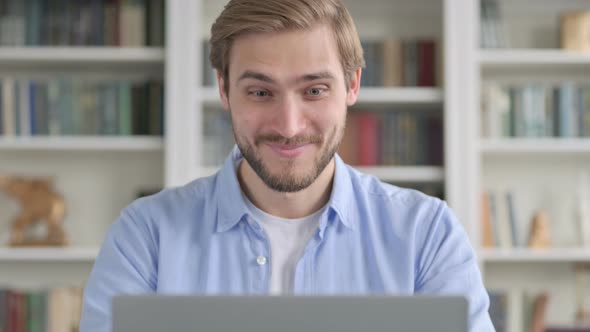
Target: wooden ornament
39,204
540,235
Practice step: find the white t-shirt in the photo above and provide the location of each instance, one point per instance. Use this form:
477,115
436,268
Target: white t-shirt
288,239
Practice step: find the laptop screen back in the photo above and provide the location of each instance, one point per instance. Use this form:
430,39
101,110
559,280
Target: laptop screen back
145,313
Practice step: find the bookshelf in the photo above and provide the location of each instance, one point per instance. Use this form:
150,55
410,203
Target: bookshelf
84,143
542,146
523,255
531,57
50,56
56,255
541,172
97,174
101,175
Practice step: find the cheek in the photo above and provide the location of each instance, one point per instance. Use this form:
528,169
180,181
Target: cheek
331,115
245,122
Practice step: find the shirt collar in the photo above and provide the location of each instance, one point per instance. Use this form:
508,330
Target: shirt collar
231,206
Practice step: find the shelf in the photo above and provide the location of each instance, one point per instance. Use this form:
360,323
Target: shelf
31,56
385,173
532,57
405,173
372,95
81,143
48,254
536,146
523,255
367,96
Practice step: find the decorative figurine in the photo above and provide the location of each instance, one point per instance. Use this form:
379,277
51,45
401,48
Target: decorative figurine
39,204
540,235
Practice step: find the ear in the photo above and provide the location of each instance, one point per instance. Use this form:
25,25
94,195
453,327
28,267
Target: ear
221,86
354,87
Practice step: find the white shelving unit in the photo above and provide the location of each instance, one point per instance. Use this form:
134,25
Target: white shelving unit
97,175
82,143
393,96
547,146
415,174
49,254
405,173
524,255
55,56
542,173
531,57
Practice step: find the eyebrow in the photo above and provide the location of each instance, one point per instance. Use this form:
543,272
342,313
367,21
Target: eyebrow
248,74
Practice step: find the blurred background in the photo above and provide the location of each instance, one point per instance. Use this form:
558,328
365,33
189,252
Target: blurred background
482,103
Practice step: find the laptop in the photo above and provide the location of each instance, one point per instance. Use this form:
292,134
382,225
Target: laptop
171,313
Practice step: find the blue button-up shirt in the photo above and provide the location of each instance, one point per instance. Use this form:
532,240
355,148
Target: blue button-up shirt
373,238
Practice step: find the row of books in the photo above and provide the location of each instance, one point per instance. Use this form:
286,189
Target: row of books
492,27
393,138
88,22
393,62
46,310
533,305
536,110
77,107
500,227
389,62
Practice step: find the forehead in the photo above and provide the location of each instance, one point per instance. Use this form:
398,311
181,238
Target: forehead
286,55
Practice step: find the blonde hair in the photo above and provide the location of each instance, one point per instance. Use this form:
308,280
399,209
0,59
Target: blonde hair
241,17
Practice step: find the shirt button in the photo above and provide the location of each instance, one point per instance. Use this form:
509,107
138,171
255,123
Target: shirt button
261,260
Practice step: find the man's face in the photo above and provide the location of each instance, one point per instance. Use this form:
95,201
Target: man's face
288,100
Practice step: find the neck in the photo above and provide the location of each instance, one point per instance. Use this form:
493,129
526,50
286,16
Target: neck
287,205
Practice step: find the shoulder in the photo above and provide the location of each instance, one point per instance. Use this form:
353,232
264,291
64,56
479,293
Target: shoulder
172,203
403,211
386,194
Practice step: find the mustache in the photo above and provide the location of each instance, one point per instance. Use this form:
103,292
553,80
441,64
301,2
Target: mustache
295,140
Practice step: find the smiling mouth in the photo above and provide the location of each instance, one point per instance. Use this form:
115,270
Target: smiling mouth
288,150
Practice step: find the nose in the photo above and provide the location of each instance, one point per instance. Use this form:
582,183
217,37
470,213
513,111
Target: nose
289,118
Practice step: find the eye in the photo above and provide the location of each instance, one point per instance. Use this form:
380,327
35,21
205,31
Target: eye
259,93
316,92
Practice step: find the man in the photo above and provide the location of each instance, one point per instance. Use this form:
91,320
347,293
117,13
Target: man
285,215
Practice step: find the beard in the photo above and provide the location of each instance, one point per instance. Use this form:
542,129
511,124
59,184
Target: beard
288,180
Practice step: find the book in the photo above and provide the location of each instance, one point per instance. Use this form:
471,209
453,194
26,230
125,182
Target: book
511,209
392,62
426,62
132,23
368,125
535,109
487,235
8,107
410,57
348,149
